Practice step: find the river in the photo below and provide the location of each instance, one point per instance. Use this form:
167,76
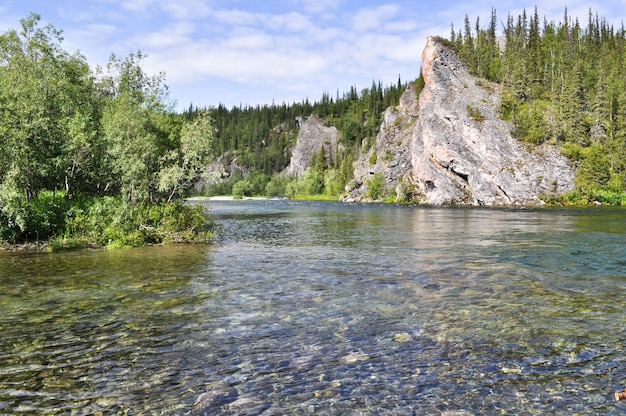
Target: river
327,308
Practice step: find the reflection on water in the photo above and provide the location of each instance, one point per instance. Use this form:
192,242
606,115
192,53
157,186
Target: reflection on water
325,308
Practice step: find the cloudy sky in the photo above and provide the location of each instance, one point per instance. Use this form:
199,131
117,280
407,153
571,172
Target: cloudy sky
262,51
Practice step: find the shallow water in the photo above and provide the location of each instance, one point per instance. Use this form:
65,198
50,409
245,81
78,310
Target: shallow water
326,308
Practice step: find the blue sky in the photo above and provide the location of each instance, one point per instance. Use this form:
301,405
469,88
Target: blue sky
259,51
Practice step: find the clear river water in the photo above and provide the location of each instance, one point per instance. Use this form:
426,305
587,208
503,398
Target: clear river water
301,308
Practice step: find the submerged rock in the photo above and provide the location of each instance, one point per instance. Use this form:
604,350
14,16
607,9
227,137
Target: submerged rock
217,394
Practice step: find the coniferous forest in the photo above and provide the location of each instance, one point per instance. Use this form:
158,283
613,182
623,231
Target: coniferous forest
261,138
99,155
564,84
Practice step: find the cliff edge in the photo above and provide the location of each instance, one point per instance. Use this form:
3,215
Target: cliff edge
450,147
463,154
314,135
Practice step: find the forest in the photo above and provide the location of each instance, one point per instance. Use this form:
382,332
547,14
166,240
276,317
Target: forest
260,139
562,83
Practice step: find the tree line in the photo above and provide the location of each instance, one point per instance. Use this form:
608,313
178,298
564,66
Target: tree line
261,137
260,140
562,83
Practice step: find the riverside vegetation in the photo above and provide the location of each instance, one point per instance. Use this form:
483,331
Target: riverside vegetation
99,156
93,156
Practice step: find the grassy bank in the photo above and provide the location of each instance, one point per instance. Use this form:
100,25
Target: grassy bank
56,221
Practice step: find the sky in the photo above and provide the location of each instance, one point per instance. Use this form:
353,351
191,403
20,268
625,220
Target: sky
249,52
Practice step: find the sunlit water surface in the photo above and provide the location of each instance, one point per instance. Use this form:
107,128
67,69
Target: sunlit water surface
325,308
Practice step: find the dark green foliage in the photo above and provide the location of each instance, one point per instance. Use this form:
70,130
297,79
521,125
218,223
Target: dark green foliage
261,137
254,184
562,84
277,186
36,220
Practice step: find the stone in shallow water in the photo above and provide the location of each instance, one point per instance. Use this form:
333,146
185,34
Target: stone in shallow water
217,394
246,405
511,370
354,357
402,337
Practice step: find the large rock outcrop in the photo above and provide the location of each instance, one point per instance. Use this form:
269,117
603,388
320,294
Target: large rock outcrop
463,154
313,136
459,151
392,149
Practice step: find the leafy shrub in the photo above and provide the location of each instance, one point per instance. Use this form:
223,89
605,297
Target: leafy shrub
475,113
242,188
35,220
375,186
277,186
373,158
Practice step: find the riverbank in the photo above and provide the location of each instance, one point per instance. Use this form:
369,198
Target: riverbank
39,246
231,198
221,198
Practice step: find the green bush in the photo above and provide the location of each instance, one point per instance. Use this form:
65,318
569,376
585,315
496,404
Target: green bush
373,158
277,186
35,220
375,186
104,221
475,113
242,188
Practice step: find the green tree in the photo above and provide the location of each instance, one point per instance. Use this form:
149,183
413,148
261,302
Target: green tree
182,166
48,122
135,129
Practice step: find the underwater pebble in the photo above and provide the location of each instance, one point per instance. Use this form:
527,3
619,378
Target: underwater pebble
354,357
402,337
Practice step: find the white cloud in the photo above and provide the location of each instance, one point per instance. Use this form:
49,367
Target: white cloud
370,19
170,36
238,17
138,5
293,48
188,9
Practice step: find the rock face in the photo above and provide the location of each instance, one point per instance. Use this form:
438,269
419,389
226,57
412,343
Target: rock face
392,148
218,171
463,154
450,147
314,134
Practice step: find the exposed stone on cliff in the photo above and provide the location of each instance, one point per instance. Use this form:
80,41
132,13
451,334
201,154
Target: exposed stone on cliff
392,148
463,154
313,136
218,171
460,151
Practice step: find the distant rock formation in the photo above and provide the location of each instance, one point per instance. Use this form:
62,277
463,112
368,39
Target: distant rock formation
392,148
460,152
314,134
218,171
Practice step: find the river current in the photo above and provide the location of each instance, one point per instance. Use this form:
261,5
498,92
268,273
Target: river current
325,308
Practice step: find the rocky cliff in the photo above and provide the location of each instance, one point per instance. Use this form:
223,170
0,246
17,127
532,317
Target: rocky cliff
313,136
392,149
451,148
